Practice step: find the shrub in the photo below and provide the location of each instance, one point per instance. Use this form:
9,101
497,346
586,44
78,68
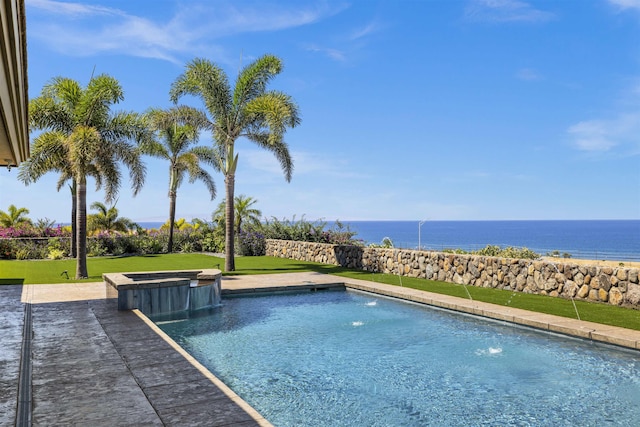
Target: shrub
97,247
385,243
497,251
126,244
306,231
213,242
251,243
56,254
188,246
23,253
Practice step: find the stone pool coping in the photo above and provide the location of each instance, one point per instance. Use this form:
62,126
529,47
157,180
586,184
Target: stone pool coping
77,328
598,332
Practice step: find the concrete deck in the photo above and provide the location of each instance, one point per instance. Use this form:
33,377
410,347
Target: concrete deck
88,363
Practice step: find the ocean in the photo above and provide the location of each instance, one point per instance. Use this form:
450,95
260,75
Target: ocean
588,239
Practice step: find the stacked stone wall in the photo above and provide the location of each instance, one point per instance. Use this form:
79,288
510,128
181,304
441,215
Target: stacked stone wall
613,285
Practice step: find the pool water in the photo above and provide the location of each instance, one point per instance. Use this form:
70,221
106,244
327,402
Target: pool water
344,358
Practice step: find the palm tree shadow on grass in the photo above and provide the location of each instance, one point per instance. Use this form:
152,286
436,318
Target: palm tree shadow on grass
135,255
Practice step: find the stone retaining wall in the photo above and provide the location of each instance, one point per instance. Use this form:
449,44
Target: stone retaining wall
612,285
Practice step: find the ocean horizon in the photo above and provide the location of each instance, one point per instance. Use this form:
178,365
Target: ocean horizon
590,239
587,239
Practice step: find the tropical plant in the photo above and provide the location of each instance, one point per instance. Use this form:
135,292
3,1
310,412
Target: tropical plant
107,219
244,212
175,132
43,224
248,111
180,224
39,164
82,138
14,217
497,251
385,243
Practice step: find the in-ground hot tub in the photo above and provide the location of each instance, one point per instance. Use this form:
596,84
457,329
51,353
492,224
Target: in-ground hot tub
165,292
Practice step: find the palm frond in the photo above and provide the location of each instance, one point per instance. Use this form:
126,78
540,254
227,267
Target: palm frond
101,93
253,79
45,113
204,79
280,149
274,111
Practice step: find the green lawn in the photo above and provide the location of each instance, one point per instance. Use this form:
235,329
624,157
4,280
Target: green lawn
45,271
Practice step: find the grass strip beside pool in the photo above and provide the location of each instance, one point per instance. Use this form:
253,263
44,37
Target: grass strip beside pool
47,271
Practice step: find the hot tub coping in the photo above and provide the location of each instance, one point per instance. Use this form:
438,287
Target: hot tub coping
160,279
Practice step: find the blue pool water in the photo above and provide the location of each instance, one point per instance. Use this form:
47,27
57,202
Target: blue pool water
354,359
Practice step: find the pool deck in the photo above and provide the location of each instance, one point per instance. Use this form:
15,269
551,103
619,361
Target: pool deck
69,357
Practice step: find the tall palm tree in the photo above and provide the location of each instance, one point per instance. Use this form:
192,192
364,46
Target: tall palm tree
107,219
39,164
248,110
14,217
244,212
177,130
82,138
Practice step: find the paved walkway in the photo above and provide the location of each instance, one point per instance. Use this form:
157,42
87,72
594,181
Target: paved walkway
91,364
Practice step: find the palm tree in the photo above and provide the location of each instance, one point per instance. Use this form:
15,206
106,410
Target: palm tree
248,110
14,217
244,213
107,219
39,164
177,130
81,139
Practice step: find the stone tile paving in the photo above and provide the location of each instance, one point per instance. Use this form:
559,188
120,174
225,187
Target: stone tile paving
95,365
78,376
10,349
178,391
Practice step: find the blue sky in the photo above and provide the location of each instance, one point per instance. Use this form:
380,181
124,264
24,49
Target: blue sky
440,110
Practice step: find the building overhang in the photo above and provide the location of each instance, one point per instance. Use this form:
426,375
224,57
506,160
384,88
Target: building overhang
14,101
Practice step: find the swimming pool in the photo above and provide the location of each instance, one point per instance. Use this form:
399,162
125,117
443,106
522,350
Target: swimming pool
354,359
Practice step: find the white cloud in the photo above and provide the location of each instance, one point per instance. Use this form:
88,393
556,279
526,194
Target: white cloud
505,11
604,135
368,29
626,4
83,30
528,74
71,9
305,163
334,54
350,43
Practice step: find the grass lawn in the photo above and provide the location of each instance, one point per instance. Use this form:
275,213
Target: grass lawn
46,271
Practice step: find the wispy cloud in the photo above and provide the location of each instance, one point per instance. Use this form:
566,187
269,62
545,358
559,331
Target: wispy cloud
82,30
71,9
505,11
528,74
335,54
370,28
603,135
305,163
348,43
626,4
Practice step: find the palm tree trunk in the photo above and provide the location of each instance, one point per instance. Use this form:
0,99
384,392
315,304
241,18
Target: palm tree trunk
172,219
74,213
229,249
81,221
